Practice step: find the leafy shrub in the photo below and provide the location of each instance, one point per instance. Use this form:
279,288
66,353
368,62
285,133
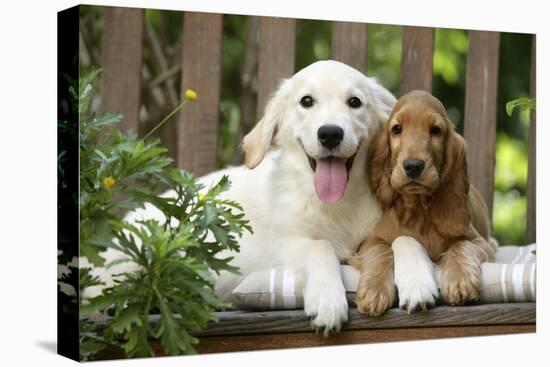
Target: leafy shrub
175,256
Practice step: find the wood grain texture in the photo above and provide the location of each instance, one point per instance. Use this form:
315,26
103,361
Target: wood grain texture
267,322
244,331
121,60
201,71
277,53
349,44
531,235
480,115
417,58
242,322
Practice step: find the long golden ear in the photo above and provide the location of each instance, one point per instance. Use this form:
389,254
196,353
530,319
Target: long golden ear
258,141
449,204
379,168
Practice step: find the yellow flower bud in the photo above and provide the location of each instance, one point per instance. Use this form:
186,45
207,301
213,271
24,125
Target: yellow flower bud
201,197
191,94
108,182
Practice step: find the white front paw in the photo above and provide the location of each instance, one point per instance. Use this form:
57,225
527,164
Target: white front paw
327,304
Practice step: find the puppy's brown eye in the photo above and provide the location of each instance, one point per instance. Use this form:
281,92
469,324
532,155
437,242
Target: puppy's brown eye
306,101
354,102
396,129
434,130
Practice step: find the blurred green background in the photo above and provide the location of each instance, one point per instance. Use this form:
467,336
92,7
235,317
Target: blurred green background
163,29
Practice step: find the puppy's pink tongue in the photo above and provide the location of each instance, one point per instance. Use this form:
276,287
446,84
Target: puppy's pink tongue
331,178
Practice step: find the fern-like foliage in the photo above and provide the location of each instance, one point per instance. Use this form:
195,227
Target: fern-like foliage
175,257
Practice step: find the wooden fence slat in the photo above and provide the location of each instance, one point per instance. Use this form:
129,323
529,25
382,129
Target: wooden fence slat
531,233
277,52
349,44
121,60
480,115
417,58
201,71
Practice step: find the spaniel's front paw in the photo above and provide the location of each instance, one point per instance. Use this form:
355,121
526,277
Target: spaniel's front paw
460,280
375,295
459,287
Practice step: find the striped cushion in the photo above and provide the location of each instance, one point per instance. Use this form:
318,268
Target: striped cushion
511,278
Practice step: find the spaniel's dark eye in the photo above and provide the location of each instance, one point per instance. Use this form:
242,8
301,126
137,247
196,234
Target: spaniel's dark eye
354,102
306,101
396,129
434,130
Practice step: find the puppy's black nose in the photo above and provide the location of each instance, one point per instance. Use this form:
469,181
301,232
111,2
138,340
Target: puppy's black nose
330,135
413,167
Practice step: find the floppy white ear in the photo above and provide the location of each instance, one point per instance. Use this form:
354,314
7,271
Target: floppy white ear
383,100
257,142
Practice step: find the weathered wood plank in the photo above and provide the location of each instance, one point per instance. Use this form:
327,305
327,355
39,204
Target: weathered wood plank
241,322
201,71
268,322
242,330
480,115
349,44
531,234
121,60
277,53
417,58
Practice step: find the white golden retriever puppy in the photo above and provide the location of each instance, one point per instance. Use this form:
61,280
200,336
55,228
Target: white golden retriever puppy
304,186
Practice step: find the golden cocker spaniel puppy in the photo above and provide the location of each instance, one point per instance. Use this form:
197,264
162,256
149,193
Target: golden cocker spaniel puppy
418,172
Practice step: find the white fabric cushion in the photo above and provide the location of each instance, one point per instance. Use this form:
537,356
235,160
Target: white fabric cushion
511,278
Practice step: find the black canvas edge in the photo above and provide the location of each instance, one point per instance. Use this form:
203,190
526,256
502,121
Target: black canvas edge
68,22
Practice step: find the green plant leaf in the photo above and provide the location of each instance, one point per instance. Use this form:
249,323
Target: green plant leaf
521,103
124,319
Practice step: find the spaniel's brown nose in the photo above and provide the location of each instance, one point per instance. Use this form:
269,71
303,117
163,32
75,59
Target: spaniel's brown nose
413,167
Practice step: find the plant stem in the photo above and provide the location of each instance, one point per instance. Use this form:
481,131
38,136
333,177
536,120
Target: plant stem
166,118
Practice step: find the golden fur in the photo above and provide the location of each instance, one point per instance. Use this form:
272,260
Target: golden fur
439,208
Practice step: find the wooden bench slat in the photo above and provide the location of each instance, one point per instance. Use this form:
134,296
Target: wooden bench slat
121,60
480,115
349,44
286,321
243,331
531,235
277,55
239,322
201,71
417,58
